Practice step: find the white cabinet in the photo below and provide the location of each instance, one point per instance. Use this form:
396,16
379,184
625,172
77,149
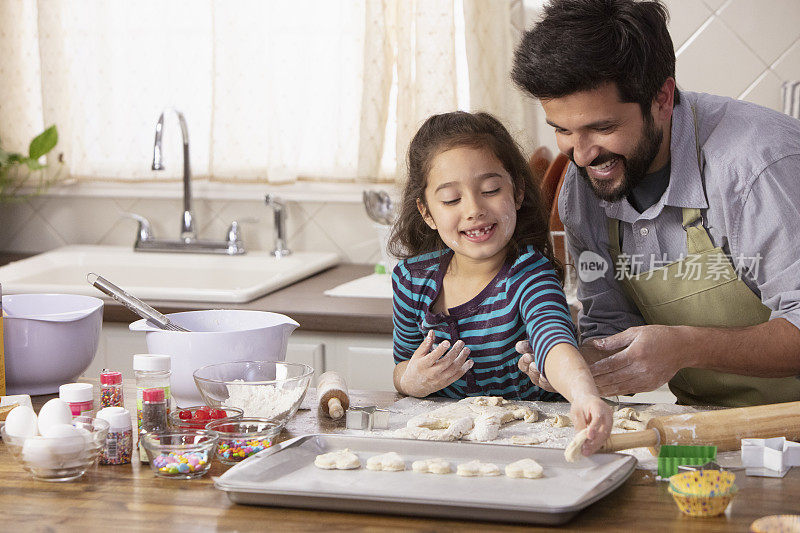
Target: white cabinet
365,361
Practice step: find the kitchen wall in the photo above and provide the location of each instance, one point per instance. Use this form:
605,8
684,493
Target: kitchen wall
739,48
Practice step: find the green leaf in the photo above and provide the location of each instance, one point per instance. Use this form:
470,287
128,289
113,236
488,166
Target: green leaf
43,143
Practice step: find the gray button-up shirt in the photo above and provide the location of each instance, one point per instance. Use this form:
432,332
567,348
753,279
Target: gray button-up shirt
747,186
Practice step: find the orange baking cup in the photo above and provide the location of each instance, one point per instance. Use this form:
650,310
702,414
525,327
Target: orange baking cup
779,523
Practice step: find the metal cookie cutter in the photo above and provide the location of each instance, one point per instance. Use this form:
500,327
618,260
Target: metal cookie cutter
369,418
769,457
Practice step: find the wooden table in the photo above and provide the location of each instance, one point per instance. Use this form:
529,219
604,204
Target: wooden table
130,497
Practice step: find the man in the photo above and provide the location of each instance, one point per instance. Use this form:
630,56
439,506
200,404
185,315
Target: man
682,211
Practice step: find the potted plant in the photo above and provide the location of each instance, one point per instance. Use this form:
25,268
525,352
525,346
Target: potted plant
17,169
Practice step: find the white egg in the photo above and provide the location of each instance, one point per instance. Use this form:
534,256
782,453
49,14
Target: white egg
21,422
87,436
54,412
38,452
68,440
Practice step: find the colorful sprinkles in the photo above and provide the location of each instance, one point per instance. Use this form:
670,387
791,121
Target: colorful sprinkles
235,450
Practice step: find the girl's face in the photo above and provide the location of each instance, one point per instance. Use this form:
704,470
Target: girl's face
471,202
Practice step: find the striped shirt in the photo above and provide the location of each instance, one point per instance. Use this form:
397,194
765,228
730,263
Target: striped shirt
523,301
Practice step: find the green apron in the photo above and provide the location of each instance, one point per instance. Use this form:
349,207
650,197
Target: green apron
673,295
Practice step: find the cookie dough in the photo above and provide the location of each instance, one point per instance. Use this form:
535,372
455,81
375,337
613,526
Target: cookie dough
527,440
431,466
560,421
624,423
390,462
476,468
476,418
627,413
524,468
338,460
573,451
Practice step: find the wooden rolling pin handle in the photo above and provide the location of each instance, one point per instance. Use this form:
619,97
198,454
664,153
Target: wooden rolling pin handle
635,439
335,409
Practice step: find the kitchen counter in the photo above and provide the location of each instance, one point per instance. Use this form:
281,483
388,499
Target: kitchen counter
130,497
304,301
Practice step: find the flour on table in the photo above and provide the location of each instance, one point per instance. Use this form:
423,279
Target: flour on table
437,429
337,460
390,462
573,451
266,401
431,466
524,468
477,468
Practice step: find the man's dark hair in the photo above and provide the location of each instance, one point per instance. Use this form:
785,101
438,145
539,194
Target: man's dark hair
582,44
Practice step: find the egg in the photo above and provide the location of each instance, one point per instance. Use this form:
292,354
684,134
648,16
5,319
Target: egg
22,422
38,453
68,441
54,412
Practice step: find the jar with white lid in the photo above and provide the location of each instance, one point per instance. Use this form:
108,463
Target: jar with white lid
119,442
79,397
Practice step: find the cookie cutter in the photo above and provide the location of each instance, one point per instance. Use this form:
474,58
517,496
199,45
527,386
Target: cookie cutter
369,418
769,457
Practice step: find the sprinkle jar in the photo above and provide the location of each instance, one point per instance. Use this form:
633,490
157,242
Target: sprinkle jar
79,397
119,442
111,389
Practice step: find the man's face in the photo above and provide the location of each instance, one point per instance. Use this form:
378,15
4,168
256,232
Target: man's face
610,142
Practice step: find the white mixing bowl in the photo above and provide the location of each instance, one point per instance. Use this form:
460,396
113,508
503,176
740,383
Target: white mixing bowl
49,339
215,336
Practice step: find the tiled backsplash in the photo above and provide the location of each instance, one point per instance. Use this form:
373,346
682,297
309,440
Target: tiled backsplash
47,222
739,48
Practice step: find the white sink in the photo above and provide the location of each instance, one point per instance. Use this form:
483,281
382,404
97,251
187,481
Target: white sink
162,276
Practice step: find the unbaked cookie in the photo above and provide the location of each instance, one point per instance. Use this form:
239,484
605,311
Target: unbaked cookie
560,421
524,468
476,468
527,440
390,462
431,466
338,460
573,451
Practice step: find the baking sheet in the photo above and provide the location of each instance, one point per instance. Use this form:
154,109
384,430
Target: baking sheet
285,476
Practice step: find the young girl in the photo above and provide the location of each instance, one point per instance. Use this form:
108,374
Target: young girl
478,275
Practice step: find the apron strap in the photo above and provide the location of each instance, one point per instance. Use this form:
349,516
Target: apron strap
697,238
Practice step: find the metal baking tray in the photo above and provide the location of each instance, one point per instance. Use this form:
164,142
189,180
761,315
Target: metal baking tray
285,476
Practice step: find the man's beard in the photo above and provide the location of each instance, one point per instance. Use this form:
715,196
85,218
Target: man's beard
635,168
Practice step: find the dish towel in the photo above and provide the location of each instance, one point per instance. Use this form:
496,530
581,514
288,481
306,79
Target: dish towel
791,98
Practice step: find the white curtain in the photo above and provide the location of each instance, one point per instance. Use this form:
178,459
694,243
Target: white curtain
271,90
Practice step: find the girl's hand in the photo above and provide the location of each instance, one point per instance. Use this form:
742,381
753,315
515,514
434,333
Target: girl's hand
593,413
431,370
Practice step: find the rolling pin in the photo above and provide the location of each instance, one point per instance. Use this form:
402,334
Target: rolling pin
724,428
332,395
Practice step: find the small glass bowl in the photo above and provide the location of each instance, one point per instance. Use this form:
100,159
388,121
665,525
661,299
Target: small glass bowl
60,458
239,439
194,422
181,454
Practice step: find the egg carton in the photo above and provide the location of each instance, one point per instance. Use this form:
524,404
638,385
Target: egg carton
769,457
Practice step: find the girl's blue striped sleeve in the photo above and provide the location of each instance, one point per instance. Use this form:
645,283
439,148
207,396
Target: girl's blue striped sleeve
543,306
406,335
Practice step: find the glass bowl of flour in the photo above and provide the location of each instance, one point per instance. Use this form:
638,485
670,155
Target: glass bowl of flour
263,389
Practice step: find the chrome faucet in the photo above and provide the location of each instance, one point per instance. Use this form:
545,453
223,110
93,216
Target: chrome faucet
187,222
279,209
188,242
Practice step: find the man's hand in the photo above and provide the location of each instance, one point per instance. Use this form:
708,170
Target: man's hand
646,358
526,365
431,370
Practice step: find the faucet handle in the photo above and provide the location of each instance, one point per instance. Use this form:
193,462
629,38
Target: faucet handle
145,231
234,235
